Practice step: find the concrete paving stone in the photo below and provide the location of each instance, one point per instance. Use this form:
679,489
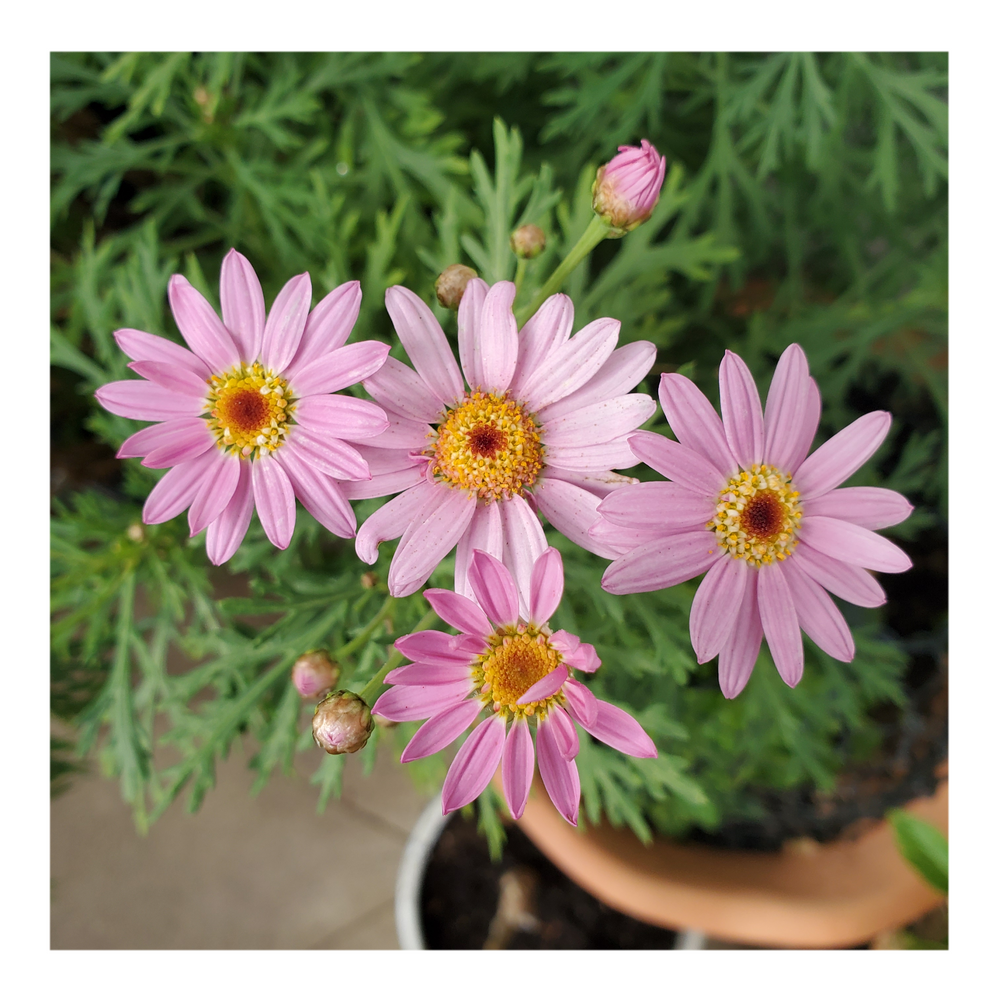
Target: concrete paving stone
374,932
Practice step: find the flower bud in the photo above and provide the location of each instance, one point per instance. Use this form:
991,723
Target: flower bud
627,188
527,241
342,723
314,673
450,285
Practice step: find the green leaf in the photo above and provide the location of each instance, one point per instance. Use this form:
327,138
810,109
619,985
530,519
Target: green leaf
923,846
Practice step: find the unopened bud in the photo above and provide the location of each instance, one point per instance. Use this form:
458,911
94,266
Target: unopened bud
342,723
314,673
627,188
527,241
369,580
450,285
135,532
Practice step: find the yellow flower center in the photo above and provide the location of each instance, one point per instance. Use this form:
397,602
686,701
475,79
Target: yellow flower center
519,656
248,410
487,444
757,517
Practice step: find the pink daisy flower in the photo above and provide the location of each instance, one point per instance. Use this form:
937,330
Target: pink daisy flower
518,670
765,521
544,420
246,417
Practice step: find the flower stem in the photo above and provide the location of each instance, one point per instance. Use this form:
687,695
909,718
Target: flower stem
366,633
371,690
522,267
592,235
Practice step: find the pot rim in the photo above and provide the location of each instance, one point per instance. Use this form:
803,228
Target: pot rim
410,874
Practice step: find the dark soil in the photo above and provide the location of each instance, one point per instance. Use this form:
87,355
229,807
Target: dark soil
522,902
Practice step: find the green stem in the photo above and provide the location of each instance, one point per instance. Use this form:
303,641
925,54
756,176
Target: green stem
522,267
593,234
366,633
370,691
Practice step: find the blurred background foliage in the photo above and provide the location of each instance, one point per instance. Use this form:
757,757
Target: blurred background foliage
806,201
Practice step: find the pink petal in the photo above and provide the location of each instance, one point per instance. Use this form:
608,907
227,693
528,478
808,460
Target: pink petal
458,611
668,506
433,647
140,346
275,501
474,765
584,657
399,387
546,586
694,421
243,309
158,436
684,466
402,434
580,702
567,738
328,325
494,588
715,605
619,540
431,535
497,338
546,331
850,583
425,674
819,617
391,520
780,621
340,369
228,530
739,654
328,455
572,365
869,506
624,369
560,776
518,765
619,730
384,485
426,345
790,416
662,563
217,488
341,416
853,544
143,400
614,454
741,413
319,494
441,730
173,377
175,491
285,323
189,438
840,457
200,326
599,422
485,532
601,484
523,542
470,347
546,687
572,511
406,703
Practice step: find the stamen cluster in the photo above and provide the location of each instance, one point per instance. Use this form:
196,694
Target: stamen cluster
757,516
489,445
249,409
519,656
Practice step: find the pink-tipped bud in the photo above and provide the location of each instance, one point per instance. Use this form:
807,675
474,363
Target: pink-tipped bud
450,285
314,673
527,241
342,723
627,188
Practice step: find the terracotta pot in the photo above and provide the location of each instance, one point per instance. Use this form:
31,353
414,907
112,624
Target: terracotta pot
807,896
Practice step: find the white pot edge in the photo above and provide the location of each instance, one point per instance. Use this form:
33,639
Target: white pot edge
410,875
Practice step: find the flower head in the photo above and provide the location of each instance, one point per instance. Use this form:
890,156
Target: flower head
527,241
537,424
627,188
342,723
765,521
246,417
314,673
451,283
517,670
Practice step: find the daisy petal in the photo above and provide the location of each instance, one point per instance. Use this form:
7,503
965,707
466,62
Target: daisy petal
142,400
780,622
318,493
402,434
560,776
432,646
470,348
662,563
285,323
243,309
546,331
620,540
425,674
684,466
328,325
790,420
188,439
159,436
694,421
216,490
399,387
742,416
384,485
140,346
426,345
441,730
840,457
497,338
819,617
458,611
228,530
573,512
580,702
474,764
518,767
619,730
494,588
341,416
328,455
523,542
656,505
567,738
590,458
485,532
390,520
275,501
715,605
599,422
850,583
200,326
870,507
407,703
172,377
546,586
546,687
176,490
853,544
339,369
739,654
